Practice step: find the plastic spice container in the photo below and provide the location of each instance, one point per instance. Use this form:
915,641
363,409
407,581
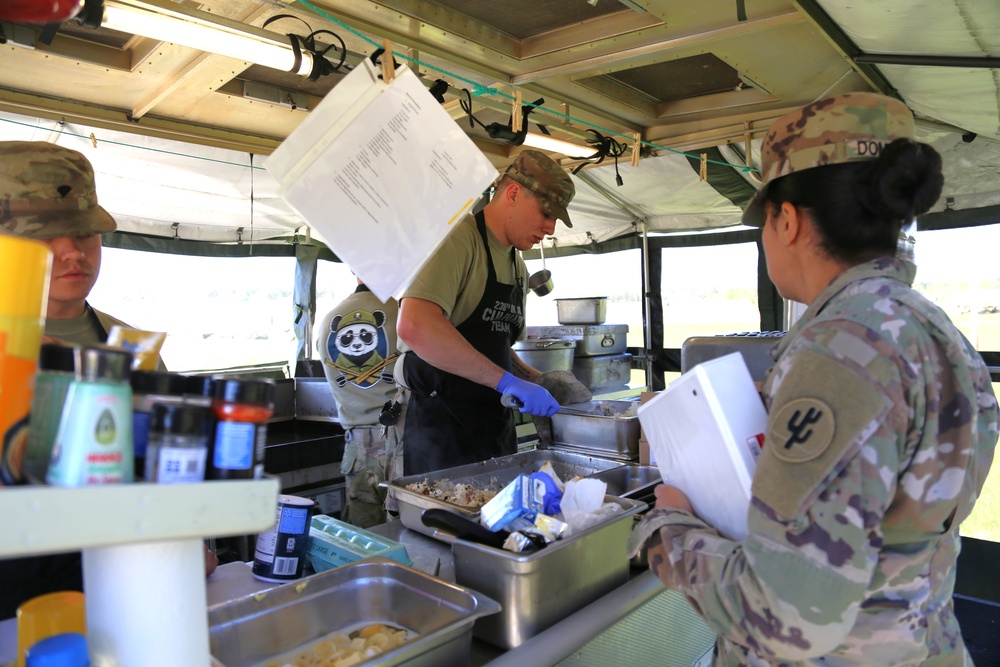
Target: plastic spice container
241,409
94,440
56,368
178,443
149,387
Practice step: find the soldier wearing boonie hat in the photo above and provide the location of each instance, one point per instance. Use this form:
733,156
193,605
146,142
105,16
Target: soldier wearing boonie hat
881,420
550,182
472,295
48,191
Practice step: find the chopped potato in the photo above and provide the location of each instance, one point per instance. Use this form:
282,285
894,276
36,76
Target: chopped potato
342,649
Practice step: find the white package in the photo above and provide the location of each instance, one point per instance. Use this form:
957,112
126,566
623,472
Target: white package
705,432
382,173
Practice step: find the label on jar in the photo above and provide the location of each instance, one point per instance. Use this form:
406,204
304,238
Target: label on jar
235,445
177,465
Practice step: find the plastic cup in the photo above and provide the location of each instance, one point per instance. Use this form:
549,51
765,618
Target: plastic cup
49,615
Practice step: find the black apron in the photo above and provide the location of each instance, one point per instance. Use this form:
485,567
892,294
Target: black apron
452,421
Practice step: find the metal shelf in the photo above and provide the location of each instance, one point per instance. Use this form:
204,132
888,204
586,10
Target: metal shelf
143,556
46,519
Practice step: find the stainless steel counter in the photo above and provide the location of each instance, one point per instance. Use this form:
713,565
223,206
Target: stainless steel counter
641,619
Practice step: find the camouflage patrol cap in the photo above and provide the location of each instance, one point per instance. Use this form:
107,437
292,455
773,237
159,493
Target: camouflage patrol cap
47,191
550,182
844,128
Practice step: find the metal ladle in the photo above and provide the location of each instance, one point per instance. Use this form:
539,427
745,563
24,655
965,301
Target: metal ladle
540,282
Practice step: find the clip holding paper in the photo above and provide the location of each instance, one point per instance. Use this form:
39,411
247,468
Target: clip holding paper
703,168
636,147
516,113
388,68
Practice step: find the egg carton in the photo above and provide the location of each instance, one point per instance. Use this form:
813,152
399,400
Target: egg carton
333,543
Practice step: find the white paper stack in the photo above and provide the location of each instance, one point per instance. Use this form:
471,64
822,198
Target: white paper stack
705,431
382,173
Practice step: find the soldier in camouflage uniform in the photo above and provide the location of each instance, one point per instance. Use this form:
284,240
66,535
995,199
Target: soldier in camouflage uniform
47,193
881,428
357,344
460,317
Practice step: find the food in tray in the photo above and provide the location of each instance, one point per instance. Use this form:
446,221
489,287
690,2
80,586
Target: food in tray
462,494
343,648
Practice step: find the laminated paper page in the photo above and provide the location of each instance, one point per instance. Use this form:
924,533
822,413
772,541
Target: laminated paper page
384,182
705,431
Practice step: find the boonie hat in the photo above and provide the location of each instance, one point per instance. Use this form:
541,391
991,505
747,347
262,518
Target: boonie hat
852,127
47,191
550,182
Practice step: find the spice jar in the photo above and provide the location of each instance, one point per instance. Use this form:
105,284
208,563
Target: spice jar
178,443
94,440
241,409
56,368
149,387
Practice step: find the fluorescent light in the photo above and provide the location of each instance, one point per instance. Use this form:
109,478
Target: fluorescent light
547,143
180,25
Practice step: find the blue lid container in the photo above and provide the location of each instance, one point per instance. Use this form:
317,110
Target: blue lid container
65,650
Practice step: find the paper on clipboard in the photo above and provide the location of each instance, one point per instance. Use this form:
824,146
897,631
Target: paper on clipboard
705,432
382,173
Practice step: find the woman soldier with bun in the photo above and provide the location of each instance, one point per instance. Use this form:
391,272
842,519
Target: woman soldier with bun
881,419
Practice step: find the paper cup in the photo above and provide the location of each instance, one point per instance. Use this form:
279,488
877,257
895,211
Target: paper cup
280,552
49,615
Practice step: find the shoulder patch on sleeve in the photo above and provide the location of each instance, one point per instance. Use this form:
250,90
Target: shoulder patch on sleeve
819,417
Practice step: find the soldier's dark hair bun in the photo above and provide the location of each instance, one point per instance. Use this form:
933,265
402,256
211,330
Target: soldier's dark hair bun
906,180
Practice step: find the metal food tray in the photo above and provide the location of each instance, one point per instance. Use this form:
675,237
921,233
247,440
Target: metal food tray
585,428
538,589
247,631
636,482
490,475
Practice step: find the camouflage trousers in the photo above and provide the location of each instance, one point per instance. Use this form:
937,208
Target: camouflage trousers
369,459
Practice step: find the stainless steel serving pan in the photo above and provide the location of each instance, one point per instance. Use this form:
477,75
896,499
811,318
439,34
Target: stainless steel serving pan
247,631
490,475
602,428
636,482
540,588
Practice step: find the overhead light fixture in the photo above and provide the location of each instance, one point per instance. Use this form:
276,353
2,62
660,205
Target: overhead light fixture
175,23
547,143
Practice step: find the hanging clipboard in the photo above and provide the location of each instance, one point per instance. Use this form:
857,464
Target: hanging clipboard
382,174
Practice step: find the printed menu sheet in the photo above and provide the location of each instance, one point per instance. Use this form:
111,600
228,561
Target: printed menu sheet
382,173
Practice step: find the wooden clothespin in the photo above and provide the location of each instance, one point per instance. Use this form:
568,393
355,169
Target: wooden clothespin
636,147
93,140
414,56
388,71
747,145
515,112
703,169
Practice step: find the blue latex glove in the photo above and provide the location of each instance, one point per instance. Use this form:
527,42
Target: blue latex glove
534,400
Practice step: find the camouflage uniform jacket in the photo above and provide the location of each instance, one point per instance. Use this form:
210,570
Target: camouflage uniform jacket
881,429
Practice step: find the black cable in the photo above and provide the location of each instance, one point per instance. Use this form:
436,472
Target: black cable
466,105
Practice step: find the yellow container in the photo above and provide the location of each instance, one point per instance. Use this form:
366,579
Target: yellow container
24,293
47,616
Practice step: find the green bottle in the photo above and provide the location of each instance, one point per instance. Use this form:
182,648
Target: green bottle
94,441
